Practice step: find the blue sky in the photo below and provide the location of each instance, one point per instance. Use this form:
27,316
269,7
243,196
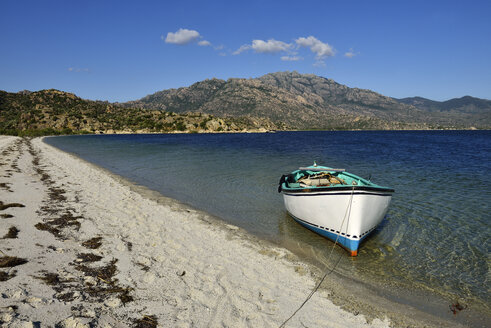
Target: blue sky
124,50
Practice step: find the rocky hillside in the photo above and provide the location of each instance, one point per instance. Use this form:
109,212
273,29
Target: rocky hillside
465,108
466,104
303,101
277,101
57,112
466,111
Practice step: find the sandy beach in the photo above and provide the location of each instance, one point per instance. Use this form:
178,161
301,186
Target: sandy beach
81,248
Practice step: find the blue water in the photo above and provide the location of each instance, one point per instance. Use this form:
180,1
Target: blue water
436,233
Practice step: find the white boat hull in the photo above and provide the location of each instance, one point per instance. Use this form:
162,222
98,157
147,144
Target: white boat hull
347,216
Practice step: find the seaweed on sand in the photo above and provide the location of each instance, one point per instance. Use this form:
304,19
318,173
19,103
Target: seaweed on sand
15,167
125,296
56,194
66,297
44,176
147,321
104,273
106,284
50,278
13,231
11,261
4,276
93,243
129,244
6,186
56,225
59,285
88,257
35,161
144,267
5,206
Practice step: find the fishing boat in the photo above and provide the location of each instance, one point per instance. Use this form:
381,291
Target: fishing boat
335,204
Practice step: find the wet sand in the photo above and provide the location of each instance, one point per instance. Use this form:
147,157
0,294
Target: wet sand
80,247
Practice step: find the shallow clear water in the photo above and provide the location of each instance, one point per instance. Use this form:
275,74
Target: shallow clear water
435,236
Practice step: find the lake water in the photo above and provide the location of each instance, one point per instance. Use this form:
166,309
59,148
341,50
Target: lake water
434,238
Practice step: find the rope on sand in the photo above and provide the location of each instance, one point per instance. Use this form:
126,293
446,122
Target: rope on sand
328,271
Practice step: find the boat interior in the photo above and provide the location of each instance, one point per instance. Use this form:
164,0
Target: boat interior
316,177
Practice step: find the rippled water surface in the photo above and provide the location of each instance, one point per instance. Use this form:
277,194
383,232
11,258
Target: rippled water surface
436,233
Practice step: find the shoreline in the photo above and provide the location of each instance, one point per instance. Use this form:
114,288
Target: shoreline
250,131
398,301
175,265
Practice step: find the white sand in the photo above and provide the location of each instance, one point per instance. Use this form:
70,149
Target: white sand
182,267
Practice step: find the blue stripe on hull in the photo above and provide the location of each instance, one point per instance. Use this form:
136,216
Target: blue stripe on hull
349,244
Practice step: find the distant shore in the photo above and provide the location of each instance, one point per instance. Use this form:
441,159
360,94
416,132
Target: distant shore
82,246
259,130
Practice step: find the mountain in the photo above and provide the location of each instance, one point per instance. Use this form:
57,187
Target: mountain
337,97
304,101
467,110
466,104
48,112
276,101
421,103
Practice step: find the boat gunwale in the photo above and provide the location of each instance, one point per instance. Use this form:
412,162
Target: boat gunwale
369,186
336,188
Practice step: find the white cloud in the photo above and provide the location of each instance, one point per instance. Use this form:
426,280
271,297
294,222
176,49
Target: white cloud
291,58
271,46
204,43
288,51
321,49
182,36
241,49
350,53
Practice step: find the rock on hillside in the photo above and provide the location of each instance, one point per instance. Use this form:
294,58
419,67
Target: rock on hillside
352,100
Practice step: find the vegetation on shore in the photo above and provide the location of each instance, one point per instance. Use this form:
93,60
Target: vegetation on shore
53,112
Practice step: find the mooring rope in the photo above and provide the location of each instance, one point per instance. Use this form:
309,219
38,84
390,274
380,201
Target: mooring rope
328,271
